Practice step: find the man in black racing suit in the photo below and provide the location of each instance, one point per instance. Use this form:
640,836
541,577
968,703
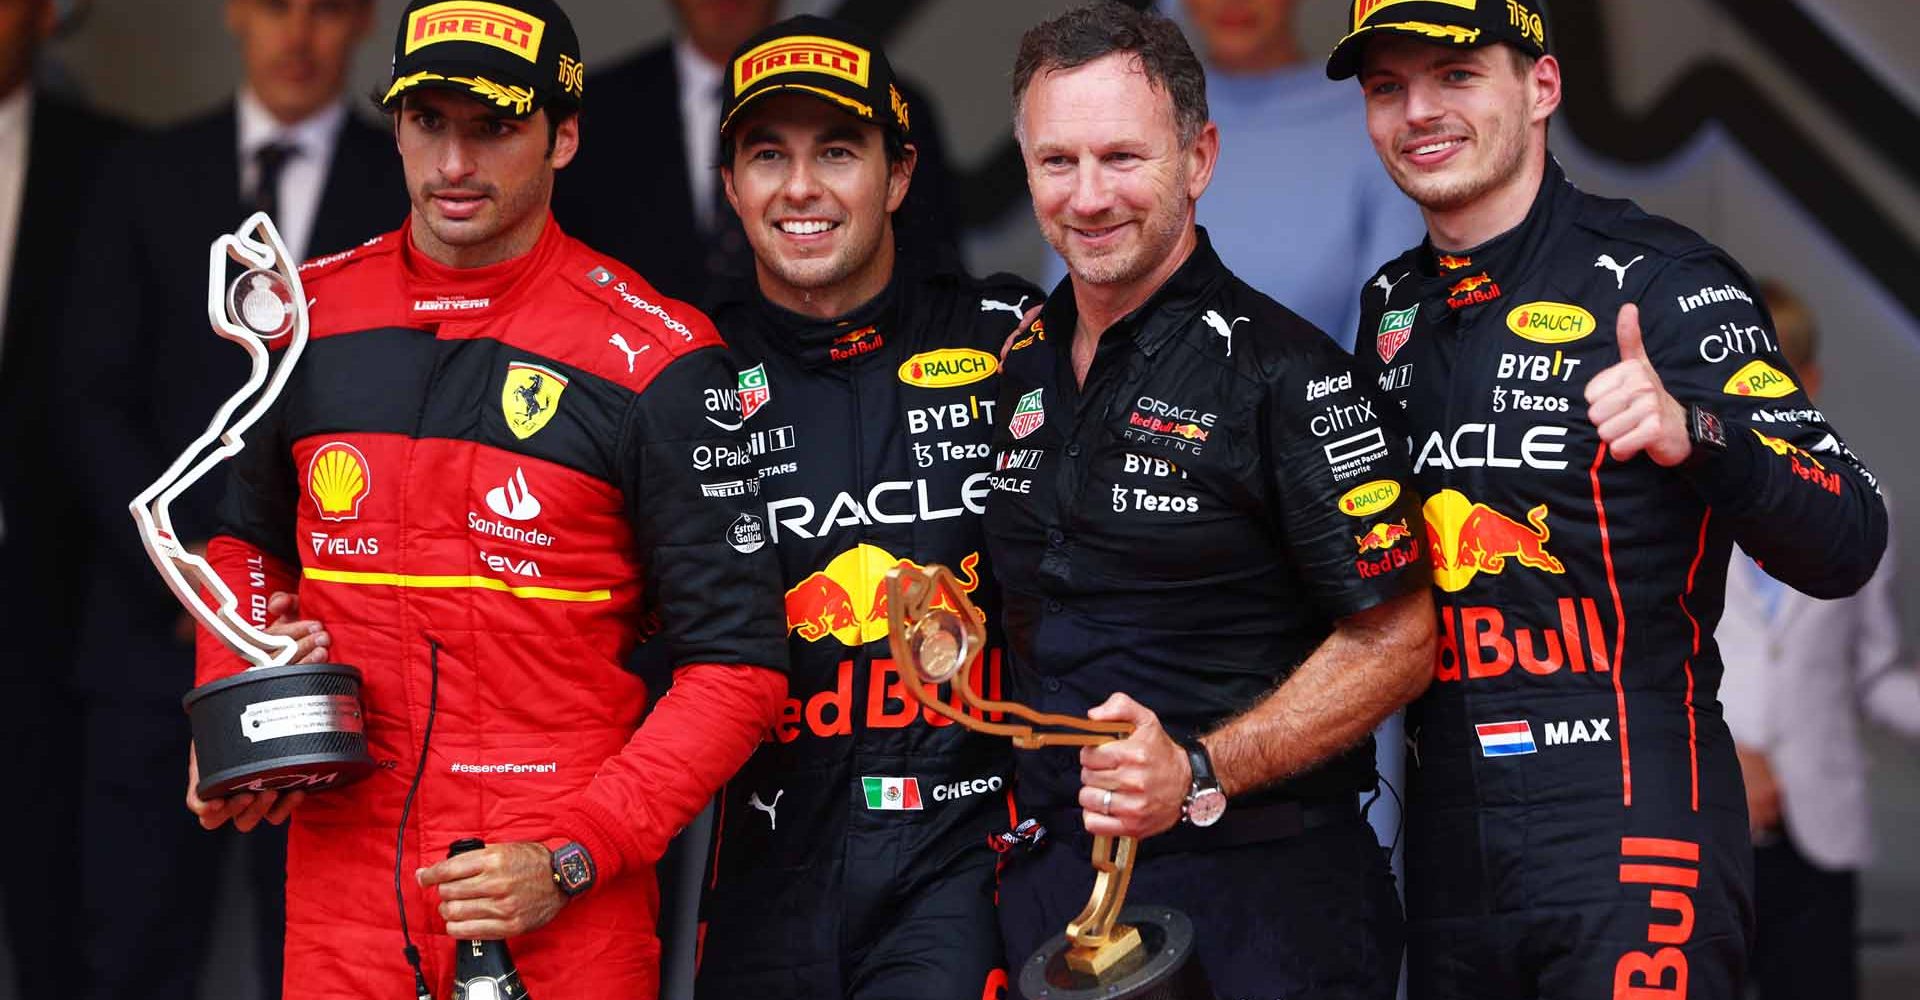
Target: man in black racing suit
851,857
1597,409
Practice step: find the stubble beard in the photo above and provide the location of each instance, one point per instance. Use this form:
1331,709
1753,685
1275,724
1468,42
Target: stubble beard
1158,234
1506,150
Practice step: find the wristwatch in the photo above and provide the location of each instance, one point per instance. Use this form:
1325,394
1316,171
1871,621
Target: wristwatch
573,871
1205,803
1705,433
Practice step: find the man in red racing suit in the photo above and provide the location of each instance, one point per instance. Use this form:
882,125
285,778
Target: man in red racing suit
1597,409
477,478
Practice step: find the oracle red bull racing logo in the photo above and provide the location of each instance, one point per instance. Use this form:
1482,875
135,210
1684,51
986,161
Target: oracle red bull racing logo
1469,538
847,599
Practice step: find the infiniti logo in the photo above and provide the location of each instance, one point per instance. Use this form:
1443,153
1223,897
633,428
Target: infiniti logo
514,501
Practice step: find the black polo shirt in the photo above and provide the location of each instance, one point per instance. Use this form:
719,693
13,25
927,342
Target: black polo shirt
1187,528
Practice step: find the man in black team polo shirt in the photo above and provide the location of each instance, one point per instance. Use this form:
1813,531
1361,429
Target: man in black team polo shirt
1199,527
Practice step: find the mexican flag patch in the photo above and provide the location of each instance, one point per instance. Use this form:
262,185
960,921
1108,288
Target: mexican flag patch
892,793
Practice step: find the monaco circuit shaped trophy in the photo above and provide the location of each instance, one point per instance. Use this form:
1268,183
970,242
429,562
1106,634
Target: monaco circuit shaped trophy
275,726
1138,953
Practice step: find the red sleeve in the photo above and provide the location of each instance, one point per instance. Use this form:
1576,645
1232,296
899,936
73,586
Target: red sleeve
253,576
700,733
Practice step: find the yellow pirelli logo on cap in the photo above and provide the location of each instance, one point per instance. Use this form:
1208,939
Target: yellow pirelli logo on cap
503,28
801,54
1363,9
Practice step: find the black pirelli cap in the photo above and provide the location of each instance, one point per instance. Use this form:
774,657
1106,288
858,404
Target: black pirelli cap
1466,23
520,55
820,57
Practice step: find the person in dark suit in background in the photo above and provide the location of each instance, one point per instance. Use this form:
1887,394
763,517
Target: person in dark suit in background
647,188
145,374
50,148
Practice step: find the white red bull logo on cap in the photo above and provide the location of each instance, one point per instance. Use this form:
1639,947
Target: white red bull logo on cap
503,28
801,54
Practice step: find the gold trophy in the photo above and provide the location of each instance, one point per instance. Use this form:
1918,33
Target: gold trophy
277,726
937,636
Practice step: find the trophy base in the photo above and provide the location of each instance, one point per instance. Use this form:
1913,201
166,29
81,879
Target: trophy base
1164,966
273,729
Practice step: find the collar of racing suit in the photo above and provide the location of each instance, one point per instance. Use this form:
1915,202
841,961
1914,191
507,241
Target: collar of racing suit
440,293
1507,259
1170,309
817,343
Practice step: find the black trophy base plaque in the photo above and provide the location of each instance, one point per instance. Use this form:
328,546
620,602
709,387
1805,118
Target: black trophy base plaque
279,729
1165,967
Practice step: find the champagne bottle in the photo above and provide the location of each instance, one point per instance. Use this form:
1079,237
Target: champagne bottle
483,970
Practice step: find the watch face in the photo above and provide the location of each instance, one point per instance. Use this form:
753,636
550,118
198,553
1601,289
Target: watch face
574,870
1207,806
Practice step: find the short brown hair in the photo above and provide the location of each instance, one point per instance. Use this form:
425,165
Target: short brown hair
1104,27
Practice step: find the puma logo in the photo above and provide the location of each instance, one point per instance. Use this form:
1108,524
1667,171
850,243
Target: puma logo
1222,327
621,342
993,305
768,807
1619,270
1386,286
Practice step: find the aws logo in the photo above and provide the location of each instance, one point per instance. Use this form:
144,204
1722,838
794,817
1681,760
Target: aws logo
338,480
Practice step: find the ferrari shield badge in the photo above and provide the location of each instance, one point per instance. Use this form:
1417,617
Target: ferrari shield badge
530,397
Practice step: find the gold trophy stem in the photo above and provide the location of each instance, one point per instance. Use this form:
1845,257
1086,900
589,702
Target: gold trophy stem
936,635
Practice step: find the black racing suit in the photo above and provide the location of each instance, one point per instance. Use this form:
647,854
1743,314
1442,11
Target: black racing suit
851,856
1576,820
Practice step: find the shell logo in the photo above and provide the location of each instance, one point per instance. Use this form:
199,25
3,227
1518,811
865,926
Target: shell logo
1367,498
338,479
1550,322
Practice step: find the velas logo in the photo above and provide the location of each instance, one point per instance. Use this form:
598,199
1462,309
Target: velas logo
503,28
1550,322
1469,538
801,54
1757,378
847,599
530,397
1396,328
948,367
338,479
1365,9
1368,499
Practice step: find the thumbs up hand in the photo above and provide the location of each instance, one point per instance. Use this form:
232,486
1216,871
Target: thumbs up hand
1630,405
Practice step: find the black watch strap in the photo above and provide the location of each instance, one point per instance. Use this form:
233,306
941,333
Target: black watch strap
1706,433
1201,762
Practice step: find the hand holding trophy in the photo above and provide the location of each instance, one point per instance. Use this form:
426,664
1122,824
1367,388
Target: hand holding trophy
937,635
275,726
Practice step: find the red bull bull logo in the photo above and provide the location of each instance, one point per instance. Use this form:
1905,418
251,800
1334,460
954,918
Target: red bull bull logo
847,346
1449,262
847,599
1468,538
1383,536
1803,463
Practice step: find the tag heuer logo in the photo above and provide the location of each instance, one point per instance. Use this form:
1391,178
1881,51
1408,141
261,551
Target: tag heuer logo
754,391
1396,328
1028,414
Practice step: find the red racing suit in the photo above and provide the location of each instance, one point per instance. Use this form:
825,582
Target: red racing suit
1576,818
479,480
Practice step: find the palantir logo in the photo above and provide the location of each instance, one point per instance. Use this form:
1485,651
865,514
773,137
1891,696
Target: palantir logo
514,501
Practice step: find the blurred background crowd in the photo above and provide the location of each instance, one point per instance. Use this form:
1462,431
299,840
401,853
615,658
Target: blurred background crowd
133,132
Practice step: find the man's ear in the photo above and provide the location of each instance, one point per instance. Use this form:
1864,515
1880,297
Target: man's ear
900,177
566,141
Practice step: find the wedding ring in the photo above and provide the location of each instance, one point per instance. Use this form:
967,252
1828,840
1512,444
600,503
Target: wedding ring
1106,802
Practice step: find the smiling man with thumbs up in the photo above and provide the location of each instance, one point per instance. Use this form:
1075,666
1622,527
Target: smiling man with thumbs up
1598,409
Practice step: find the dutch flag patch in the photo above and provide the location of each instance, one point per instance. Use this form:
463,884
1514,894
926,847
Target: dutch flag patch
1502,739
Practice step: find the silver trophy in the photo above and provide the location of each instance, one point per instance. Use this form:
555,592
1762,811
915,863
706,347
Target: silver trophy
276,726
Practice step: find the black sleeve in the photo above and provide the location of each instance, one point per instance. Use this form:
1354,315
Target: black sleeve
711,573
1798,499
262,498
1347,508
